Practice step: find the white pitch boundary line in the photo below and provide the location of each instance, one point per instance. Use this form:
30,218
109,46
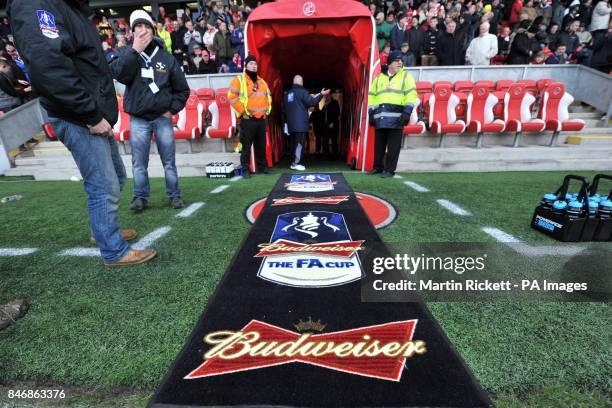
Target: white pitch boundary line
452,207
220,189
236,178
416,186
17,251
532,250
144,242
188,212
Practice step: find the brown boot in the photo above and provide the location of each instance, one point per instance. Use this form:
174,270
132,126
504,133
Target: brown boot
135,257
10,312
127,234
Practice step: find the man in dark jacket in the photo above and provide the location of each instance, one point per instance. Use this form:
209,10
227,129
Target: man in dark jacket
430,43
296,104
331,120
522,45
450,51
222,43
414,38
61,49
398,33
156,89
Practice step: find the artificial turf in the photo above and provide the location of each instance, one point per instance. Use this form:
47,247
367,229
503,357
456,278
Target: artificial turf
89,325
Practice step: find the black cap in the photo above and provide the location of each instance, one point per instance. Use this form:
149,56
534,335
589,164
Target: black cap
248,59
393,56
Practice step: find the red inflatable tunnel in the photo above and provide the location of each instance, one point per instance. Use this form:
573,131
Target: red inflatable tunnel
328,41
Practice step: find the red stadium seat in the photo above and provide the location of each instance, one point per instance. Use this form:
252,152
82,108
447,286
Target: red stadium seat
189,123
461,109
206,96
423,87
463,86
498,109
542,84
485,82
503,84
442,116
122,127
530,84
424,104
517,112
480,118
223,123
415,126
555,113
442,83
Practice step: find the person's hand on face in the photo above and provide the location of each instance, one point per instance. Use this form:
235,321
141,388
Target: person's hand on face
143,35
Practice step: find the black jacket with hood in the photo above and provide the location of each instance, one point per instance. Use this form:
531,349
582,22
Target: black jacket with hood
139,99
61,50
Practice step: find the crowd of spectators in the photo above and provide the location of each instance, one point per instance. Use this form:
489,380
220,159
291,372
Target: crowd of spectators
15,87
483,32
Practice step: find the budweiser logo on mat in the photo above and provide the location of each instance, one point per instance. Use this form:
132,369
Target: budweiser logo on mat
378,351
309,200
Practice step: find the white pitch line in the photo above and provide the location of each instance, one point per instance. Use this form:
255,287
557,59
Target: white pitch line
151,237
452,207
236,178
80,252
397,176
220,189
188,212
17,251
532,250
416,186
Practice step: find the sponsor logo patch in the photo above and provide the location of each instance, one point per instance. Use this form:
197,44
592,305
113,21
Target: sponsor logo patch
378,351
46,22
308,183
310,249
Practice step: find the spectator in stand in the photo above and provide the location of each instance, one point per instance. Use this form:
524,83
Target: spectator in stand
191,37
384,54
235,64
164,35
570,38
600,19
408,58
398,32
602,52
237,36
201,25
12,90
544,10
194,61
465,30
108,51
207,65
105,28
539,59
209,36
22,73
585,11
517,6
482,48
383,30
558,11
5,27
414,37
430,43
584,36
552,37
161,14
521,48
530,10
186,17
450,51
573,15
504,41
222,44
177,37
559,57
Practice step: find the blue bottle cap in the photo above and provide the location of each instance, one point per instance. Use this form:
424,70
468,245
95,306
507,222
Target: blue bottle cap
568,196
606,203
559,205
550,196
575,204
593,204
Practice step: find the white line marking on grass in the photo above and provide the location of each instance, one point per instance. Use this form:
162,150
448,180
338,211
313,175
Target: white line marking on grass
188,212
80,252
416,186
236,178
17,251
220,189
397,176
452,207
151,237
532,250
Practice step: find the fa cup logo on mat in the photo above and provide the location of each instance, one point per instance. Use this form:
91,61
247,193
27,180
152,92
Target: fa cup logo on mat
308,183
310,249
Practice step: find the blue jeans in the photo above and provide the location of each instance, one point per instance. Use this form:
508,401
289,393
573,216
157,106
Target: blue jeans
140,139
99,162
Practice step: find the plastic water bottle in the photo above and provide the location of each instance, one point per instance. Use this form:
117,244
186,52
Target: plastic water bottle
548,200
593,208
15,197
559,207
574,209
605,209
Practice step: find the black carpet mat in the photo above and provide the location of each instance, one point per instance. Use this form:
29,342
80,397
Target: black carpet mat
274,303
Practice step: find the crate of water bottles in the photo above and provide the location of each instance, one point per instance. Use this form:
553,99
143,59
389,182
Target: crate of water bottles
220,170
585,215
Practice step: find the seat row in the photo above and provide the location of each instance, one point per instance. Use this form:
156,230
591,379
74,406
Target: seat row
483,109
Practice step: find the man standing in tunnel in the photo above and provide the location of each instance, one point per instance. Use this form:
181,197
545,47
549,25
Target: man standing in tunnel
295,106
250,97
391,100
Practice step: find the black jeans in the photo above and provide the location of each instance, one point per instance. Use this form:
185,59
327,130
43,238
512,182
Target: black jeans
390,140
330,134
253,133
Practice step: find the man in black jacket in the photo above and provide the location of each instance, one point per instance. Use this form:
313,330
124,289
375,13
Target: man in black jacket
295,106
61,49
522,45
156,89
414,37
450,51
430,43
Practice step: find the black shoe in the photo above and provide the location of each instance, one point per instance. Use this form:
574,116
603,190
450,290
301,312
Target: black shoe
138,204
246,174
375,171
266,171
176,202
387,174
